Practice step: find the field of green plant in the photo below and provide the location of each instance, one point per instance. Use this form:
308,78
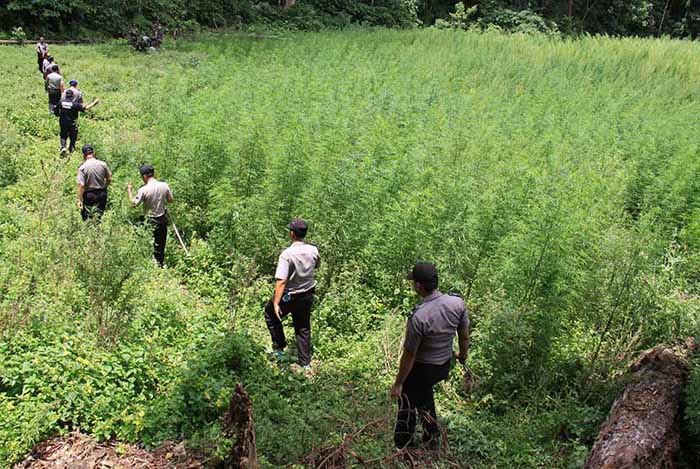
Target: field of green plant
556,184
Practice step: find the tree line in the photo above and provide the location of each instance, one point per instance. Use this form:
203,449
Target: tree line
114,18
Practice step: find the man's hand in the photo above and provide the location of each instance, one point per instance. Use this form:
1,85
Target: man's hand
278,311
79,203
129,187
462,360
395,392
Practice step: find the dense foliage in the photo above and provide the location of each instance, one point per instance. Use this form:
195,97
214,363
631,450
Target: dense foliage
555,183
677,18
106,18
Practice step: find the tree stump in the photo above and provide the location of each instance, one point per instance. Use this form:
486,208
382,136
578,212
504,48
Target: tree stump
238,425
643,427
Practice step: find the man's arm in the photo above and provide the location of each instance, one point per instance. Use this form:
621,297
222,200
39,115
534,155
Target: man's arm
169,197
62,87
279,291
131,197
408,358
463,334
81,191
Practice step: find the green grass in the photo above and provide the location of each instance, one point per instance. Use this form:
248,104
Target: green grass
554,182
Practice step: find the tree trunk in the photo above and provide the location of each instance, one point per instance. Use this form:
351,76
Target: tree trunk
238,426
570,8
643,427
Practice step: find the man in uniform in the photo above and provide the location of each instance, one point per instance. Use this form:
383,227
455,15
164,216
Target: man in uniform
77,94
46,65
427,355
93,178
54,87
68,112
42,49
154,195
294,293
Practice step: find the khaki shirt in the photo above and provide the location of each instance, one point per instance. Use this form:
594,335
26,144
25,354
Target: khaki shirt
297,265
54,82
154,196
93,174
431,329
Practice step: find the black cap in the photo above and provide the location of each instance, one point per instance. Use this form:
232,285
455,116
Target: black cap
87,149
69,94
298,226
147,170
425,273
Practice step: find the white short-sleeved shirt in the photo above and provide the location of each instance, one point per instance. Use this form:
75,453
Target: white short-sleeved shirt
297,265
154,196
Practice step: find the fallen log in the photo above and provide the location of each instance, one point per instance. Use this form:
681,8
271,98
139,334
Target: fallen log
238,426
643,427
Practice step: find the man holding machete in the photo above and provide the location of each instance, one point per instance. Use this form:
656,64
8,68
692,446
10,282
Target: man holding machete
68,111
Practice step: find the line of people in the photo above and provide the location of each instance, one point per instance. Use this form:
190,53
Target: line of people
64,103
94,176
427,353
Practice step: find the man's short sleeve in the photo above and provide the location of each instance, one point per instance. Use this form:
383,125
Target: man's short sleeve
81,177
282,272
139,197
413,336
170,192
464,319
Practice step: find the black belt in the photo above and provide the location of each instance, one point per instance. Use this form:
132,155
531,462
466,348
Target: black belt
310,291
104,189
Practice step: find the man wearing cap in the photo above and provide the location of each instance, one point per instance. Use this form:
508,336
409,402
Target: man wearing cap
426,357
154,195
93,178
77,94
68,112
42,49
54,87
294,293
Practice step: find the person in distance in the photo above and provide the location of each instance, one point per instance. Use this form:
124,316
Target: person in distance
294,293
54,87
427,355
68,113
42,50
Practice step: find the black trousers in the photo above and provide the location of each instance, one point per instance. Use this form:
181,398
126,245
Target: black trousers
160,236
40,61
94,203
417,397
69,131
54,99
300,307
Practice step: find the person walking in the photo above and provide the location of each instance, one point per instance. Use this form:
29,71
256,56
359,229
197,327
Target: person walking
68,113
294,293
77,94
54,88
42,50
427,355
46,65
154,195
93,179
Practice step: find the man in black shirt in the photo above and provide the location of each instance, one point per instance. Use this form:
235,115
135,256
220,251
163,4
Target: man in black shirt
68,112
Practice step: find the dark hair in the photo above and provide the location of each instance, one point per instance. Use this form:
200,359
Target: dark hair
147,170
54,68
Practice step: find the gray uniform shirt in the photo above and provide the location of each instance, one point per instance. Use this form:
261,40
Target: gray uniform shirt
46,65
53,82
93,174
297,265
77,95
431,330
41,48
154,195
